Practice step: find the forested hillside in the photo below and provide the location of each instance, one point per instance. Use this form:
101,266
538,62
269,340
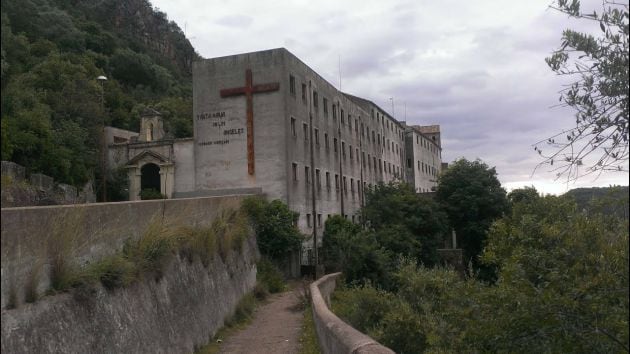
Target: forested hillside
52,53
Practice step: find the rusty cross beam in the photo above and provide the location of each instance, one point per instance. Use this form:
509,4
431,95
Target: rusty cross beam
249,90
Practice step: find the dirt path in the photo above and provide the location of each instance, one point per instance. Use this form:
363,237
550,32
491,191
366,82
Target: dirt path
275,328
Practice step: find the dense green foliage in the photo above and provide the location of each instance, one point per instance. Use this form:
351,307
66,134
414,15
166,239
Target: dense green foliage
472,196
405,223
607,200
399,223
562,286
277,234
348,248
598,66
52,106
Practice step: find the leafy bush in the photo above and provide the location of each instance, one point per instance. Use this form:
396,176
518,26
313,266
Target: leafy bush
269,277
150,194
275,224
346,247
114,271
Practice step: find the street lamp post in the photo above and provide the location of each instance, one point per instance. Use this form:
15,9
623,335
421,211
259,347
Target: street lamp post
103,151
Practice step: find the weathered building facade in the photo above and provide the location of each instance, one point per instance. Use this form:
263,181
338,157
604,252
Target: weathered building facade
265,121
424,157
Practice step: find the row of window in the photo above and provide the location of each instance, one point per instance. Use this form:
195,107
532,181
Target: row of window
391,146
427,169
386,124
426,144
309,221
339,184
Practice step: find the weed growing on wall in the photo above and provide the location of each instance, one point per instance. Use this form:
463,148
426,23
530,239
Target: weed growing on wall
144,256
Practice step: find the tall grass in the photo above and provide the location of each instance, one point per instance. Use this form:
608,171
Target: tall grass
145,256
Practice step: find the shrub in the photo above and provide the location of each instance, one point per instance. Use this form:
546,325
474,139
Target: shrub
150,194
276,232
363,307
114,271
270,276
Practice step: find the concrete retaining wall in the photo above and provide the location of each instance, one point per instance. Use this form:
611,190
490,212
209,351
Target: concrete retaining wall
93,230
175,313
334,335
178,313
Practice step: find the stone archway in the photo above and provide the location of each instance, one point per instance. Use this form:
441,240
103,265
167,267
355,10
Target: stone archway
150,177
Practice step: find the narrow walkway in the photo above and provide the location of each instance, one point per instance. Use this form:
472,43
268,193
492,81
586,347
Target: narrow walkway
275,328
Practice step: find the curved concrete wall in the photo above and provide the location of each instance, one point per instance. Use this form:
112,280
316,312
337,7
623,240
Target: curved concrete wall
334,335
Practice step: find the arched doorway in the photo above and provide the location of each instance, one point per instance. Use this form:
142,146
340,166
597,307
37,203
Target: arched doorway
150,177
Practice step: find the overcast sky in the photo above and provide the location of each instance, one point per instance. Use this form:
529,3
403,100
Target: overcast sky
474,67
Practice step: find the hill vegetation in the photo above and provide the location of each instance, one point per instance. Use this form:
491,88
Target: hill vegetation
545,273
52,106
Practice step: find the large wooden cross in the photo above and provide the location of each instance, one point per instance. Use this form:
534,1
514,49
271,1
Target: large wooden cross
249,90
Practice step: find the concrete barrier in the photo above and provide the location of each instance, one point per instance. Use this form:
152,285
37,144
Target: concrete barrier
95,230
334,335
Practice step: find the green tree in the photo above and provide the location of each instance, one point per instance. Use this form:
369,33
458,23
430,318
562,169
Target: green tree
472,197
356,252
523,195
563,281
275,224
405,222
599,94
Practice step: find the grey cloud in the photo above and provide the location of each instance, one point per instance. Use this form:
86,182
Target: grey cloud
239,21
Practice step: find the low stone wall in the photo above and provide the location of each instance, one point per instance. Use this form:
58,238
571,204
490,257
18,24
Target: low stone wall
88,231
176,313
334,335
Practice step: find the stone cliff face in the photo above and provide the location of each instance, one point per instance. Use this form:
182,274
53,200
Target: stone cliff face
176,313
139,21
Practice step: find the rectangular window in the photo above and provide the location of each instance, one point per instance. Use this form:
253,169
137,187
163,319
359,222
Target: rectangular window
293,132
378,139
319,220
369,162
315,100
363,159
295,174
352,185
335,144
380,166
373,136
343,149
307,175
345,186
325,103
328,180
318,179
334,109
304,93
374,164
350,150
343,118
316,136
308,220
349,122
336,181
292,85
326,141
305,129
